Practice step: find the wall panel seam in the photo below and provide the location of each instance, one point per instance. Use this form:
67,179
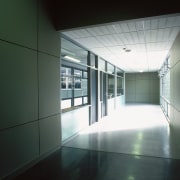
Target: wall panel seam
39,51
175,107
174,64
53,115
38,74
11,127
19,45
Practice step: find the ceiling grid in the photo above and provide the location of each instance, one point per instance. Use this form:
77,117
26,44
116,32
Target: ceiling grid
148,41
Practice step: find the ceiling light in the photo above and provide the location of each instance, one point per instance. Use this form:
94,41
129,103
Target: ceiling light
126,49
71,59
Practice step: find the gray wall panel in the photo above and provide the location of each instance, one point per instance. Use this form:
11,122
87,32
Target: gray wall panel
175,92
176,87
19,88
74,121
23,88
142,88
48,38
50,133
19,22
175,52
19,145
49,85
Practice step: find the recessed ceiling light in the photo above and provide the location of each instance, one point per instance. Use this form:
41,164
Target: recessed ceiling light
126,49
71,59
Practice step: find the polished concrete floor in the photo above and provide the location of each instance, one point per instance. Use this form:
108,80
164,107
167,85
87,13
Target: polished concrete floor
132,129
134,143
79,164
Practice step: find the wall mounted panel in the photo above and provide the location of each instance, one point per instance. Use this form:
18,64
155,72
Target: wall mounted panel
19,91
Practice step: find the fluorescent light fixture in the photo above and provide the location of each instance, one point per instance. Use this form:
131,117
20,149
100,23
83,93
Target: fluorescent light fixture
71,59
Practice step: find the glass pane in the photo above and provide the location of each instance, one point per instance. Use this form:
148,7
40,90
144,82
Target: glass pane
84,87
66,93
77,79
101,64
72,52
169,110
77,92
77,101
85,99
110,68
85,75
119,86
66,78
120,72
65,104
92,61
110,86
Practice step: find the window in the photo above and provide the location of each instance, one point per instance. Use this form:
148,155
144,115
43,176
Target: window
77,78
66,78
164,75
111,87
74,75
110,68
101,65
119,86
120,82
74,87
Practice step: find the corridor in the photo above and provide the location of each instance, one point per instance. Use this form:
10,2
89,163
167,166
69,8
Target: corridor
132,129
134,143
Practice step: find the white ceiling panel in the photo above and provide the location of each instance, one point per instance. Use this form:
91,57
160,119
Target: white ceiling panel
81,33
124,27
89,42
147,24
135,37
117,28
174,33
116,49
171,21
140,25
108,40
118,39
154,23
162,23
71,34
111,29
177,21
148,39
141,36
132,26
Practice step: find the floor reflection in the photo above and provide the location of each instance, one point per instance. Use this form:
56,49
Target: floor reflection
78,164
134,143
133,129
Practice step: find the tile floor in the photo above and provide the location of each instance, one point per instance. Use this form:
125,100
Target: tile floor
133,144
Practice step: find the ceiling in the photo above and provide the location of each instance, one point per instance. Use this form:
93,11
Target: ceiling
138,45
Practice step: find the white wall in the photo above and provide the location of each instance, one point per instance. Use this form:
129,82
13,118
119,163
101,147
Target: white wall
142,88
29,77
175,91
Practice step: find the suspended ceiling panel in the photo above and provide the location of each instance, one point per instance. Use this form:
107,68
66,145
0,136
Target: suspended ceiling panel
134,45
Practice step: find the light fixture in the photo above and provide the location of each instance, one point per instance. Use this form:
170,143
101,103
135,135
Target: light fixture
126,49
141,71
71,59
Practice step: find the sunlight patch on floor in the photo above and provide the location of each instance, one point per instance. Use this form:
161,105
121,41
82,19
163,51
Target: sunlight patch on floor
130,119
